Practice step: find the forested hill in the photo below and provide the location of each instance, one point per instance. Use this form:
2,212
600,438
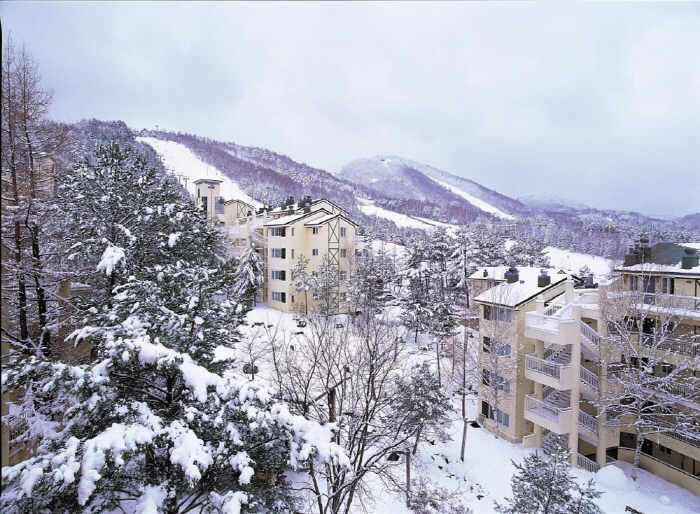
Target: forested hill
421,191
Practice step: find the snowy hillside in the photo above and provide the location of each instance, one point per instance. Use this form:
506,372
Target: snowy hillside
179,160
552,202
401,220
414,180
476,202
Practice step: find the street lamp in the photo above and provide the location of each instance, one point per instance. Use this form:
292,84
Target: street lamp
394,457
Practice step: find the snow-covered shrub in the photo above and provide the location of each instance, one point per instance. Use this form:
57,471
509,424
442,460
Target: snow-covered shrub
427,497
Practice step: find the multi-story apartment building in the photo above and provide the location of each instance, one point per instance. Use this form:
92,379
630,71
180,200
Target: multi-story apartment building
312,228
565,360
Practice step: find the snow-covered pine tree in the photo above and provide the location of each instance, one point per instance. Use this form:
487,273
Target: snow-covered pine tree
250,275
156,421
528,252
421,409
544,485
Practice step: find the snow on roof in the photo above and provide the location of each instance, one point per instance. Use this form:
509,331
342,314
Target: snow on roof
524,289
286,220
321,220
659,268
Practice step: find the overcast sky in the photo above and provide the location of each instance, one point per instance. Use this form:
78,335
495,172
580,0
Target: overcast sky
598,102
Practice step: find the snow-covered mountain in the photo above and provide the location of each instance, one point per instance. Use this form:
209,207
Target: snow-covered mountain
416,181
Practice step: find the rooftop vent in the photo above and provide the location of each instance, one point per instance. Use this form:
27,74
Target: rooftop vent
512,275
307,208
588,282
690,259
486,273
544,279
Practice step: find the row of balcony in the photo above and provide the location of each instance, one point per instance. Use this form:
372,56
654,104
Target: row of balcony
558,419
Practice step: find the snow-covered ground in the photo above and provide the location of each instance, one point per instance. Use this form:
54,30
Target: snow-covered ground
476,202
181,161
573,261
484,476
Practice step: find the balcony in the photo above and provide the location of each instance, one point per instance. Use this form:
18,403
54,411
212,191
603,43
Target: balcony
682,346
590,427
555,372
551,329
665,303
548,415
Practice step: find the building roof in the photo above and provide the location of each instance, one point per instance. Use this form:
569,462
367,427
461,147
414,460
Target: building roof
293,218
664,258
206,180
516,293
326,219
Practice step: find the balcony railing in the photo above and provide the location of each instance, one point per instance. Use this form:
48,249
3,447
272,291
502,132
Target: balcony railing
590,335
682,346
682,390
544,409
548,323
588,422
685,436
586,463
660,300
587,299
589,378
549,368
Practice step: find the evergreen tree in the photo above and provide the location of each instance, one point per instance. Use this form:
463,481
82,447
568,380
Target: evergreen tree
421,408
250,275
544,485
156,421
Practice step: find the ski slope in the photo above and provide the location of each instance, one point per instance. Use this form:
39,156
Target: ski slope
476,202
401,220
573,261
182,162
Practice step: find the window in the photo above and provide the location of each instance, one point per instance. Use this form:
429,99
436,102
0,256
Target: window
343,253
343,275
634,283
667,285
314,252
495,313
279,297
315,230
343,232
278,232
664,449
666,368
495,381
502,417
487,344
279,275
292,231
278,253
343,297
292,253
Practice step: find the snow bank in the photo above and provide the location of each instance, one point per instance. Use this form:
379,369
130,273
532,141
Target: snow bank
613,479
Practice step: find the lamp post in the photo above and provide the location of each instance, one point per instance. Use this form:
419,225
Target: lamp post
394,457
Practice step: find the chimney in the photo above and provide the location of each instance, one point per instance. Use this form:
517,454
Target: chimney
307,208
690,259
512,275
630,258
644,249
544,279
486,273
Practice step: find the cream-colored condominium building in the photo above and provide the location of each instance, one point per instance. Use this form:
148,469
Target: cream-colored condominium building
562,357
312,228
